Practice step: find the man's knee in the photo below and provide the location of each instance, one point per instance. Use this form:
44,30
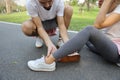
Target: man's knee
27,28
68,10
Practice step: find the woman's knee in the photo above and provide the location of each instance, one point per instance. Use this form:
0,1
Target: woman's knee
91,28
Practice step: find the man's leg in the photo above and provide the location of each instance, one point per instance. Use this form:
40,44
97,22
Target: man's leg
29,29
68,12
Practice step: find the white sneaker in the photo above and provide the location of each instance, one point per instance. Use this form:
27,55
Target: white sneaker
60,43
40,65
38,42
118,64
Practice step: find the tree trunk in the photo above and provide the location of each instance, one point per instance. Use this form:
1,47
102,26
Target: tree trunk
8,6
88,4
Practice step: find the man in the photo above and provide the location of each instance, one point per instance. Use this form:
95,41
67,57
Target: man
46,15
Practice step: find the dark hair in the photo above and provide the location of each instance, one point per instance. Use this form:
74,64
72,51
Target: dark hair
100,2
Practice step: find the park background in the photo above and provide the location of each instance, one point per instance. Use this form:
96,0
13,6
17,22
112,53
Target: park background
84,12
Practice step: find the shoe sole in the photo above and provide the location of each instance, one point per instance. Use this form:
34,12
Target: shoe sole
38,46
42,69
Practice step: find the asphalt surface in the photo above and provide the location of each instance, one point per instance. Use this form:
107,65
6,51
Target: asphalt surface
16,50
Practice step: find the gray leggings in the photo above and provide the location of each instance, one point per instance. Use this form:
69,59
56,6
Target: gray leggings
106,48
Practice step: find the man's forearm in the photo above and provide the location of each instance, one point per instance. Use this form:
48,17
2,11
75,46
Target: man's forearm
41,31
44,36
62,28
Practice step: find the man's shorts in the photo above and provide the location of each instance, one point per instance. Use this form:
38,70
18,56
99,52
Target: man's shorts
49,26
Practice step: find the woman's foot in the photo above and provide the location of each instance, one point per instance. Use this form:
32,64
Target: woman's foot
41,65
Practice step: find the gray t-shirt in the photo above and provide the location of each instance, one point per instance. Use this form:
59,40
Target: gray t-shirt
35,9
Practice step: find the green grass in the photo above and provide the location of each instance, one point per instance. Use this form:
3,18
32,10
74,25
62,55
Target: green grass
18,17
79,20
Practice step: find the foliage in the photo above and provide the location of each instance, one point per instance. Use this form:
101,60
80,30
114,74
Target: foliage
2,6
80,20
18,8
2,9
73,2
13,5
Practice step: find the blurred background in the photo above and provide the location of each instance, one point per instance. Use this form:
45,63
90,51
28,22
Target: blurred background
84,12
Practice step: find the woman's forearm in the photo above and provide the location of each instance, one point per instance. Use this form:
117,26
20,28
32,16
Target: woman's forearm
102,13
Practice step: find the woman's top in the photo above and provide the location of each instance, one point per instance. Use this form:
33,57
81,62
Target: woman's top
113,32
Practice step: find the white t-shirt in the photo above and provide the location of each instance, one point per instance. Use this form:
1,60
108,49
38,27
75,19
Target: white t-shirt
35,9
114,30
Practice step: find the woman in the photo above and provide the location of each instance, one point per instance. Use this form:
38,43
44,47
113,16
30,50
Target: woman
108,20
110,50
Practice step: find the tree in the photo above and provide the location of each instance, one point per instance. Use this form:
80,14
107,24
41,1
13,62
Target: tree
88,3
2,6
8,6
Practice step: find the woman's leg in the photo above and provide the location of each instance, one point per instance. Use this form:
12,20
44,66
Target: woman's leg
104,45
92,47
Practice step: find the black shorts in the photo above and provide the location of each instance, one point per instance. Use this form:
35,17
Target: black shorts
49,25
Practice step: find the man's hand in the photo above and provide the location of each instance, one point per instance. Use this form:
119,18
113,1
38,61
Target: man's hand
51,49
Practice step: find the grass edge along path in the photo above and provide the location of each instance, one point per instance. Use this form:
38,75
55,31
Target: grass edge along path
79,20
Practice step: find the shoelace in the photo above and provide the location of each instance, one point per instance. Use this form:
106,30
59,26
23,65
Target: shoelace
40,60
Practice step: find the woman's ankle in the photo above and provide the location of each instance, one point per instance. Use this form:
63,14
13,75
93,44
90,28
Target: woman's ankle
49,60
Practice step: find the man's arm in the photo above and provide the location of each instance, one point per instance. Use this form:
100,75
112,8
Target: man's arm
102,20
42,33
62,28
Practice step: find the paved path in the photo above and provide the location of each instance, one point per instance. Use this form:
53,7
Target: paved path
16,49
